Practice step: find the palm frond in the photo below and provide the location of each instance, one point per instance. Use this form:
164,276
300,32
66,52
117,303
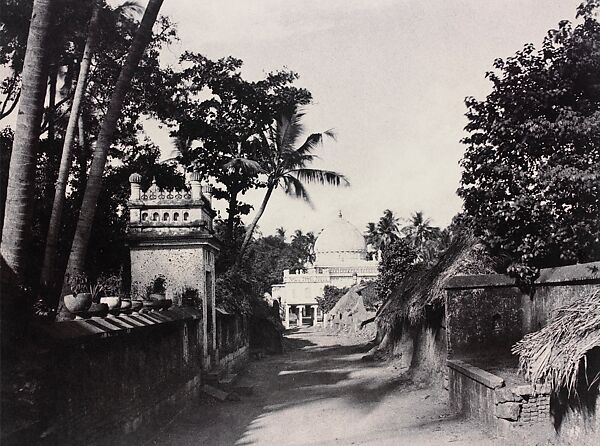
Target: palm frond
246,165
130,9
289,129
318,176
294,187
314,140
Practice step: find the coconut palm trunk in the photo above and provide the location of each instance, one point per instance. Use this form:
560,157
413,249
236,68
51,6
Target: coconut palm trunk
105,138
50,253
19,194
257,217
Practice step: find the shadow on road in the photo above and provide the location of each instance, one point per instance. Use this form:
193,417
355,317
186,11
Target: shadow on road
315,379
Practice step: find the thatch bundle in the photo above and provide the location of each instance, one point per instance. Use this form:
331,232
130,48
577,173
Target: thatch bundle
556,354
423,288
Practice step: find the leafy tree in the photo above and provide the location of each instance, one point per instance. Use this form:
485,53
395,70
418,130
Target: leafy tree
531,169
303,246
284,163
397,260
373,237
219,118
331,296
267,257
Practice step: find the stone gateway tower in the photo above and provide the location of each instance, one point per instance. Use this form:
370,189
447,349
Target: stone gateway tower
172,242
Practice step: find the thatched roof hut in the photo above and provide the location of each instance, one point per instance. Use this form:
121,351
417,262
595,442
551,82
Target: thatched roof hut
424,288
557,354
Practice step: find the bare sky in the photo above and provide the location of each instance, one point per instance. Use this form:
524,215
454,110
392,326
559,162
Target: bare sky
389,76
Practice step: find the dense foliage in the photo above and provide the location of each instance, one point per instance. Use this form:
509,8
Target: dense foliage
531,169
331,296
239,286
397,260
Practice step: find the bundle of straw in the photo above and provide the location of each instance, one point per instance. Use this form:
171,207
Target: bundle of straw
556,354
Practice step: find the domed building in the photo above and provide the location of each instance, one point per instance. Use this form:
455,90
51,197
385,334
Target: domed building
340,260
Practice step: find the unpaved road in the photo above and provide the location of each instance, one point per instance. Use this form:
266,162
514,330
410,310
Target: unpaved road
320,393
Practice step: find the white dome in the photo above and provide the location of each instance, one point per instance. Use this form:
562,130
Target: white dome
340,243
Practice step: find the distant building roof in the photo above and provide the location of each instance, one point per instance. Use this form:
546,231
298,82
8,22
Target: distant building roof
340,243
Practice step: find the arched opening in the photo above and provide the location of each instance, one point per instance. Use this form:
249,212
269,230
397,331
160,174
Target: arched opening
176,216
186,216
155,216
166,216
144,216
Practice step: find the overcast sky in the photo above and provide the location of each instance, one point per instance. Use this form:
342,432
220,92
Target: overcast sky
389,76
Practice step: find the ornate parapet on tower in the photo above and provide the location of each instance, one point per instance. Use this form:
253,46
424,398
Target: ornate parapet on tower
182,212
171,236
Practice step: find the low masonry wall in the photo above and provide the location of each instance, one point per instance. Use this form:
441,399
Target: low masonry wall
484,395
235,360
485,316
114,380
233,342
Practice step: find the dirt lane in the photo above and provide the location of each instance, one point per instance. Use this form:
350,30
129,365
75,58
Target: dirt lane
321,393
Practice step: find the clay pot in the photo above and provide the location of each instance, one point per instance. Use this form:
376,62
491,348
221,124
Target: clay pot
126,305
150,305
79,303
113,302
136,305
98,310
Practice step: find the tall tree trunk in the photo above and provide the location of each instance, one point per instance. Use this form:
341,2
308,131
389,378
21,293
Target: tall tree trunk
51,114
231,213
50,253
20,189
94,183
252,226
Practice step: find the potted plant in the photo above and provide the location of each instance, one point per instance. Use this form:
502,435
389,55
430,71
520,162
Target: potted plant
110,285
157,289
80,301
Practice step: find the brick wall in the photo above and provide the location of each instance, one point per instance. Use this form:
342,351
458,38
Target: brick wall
114,381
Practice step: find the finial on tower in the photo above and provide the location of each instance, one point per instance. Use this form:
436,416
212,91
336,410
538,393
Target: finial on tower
340,214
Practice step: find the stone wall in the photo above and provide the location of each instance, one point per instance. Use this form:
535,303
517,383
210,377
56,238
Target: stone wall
491,312
235,359
233,341
113,381
485,316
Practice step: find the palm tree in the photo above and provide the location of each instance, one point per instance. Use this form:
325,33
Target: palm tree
387,227
50,252
285,165
19,194
419,231
83,230
280,233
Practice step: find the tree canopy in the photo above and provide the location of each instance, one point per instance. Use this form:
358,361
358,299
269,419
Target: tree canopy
531,169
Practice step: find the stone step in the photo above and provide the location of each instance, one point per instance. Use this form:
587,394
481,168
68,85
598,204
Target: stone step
210,377
219,394
228,380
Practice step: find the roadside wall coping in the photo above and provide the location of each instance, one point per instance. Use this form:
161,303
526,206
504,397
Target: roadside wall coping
111,326
581,272
488,379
